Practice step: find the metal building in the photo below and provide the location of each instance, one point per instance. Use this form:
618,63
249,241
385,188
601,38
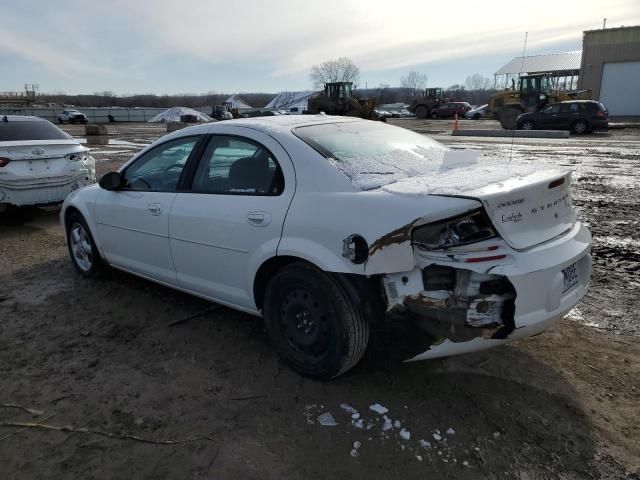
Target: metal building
564,68
611,68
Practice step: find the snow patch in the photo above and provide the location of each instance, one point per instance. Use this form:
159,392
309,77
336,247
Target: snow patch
173,114
327,420
379,409
348,408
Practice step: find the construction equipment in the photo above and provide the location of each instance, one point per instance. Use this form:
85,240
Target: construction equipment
224,112
26,97
337,99
423,105
533,94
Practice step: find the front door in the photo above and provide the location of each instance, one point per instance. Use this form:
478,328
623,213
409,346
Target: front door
232,219
550,117
133,221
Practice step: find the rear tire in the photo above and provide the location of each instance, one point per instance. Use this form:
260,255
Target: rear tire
15,216
579,127
313,323
434,115
82,248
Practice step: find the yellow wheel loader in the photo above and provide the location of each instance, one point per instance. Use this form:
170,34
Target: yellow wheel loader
534,93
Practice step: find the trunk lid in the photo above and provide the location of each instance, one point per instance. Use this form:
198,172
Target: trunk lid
527,211
527,207
40,158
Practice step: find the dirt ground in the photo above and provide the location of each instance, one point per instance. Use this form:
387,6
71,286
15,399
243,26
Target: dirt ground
149,383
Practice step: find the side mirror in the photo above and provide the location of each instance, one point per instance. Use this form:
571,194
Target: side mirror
111,181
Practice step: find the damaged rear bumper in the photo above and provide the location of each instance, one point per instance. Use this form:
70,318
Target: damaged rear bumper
458,307
43,191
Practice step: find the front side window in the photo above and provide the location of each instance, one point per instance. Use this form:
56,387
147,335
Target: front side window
552,109
237,166
159,169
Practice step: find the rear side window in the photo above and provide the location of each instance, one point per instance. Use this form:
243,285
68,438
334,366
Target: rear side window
13,131
237,166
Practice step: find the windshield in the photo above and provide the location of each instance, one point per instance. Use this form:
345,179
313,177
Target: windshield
13,131
373,154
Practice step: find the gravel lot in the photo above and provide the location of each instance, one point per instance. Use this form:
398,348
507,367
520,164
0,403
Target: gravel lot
127,367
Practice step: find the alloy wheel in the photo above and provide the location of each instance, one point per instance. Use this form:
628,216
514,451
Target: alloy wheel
81,247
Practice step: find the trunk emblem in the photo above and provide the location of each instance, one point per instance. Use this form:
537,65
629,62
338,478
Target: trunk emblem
37,151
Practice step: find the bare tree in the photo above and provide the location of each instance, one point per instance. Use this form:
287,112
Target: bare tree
415,81
339,70
477,82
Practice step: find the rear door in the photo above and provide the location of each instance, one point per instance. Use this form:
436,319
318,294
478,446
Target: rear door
133,222
569,113
231,220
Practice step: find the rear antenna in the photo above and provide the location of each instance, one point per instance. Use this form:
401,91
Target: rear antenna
513,132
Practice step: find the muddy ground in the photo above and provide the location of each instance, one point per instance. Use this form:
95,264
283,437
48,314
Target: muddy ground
129,366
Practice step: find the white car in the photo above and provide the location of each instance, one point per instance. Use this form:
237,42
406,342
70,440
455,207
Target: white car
335,229
39,163
71,116
477,113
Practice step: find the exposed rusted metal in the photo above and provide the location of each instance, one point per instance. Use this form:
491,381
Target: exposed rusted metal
395,237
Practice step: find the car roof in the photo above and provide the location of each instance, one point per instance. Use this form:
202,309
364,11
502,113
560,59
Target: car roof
21,118
281,123
274,125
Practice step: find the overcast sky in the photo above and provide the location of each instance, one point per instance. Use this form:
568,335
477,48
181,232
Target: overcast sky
196,46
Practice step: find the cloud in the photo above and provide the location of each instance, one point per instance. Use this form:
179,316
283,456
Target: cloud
122,39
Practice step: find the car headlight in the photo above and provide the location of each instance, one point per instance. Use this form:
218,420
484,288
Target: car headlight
452,232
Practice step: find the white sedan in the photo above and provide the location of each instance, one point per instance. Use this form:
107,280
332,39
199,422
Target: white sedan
336,229
39,163
71,116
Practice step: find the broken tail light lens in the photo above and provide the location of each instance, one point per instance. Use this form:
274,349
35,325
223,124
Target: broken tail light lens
452,232
4,161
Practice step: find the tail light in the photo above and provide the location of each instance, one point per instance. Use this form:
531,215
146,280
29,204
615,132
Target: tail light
452,232
601,114
4,161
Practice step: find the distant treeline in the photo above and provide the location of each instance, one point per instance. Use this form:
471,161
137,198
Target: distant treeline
109,99
382,94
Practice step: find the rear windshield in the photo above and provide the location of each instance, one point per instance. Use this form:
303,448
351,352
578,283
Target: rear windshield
30,130
373,154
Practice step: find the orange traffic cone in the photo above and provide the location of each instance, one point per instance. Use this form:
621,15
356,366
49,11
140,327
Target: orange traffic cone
455,122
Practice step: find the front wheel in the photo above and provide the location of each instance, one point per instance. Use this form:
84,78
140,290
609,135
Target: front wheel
313,323
434,115
60,121
508,116
526,125
421,111
580,127
82,248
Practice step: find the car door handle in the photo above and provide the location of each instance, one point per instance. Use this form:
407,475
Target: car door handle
259,219
155,208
